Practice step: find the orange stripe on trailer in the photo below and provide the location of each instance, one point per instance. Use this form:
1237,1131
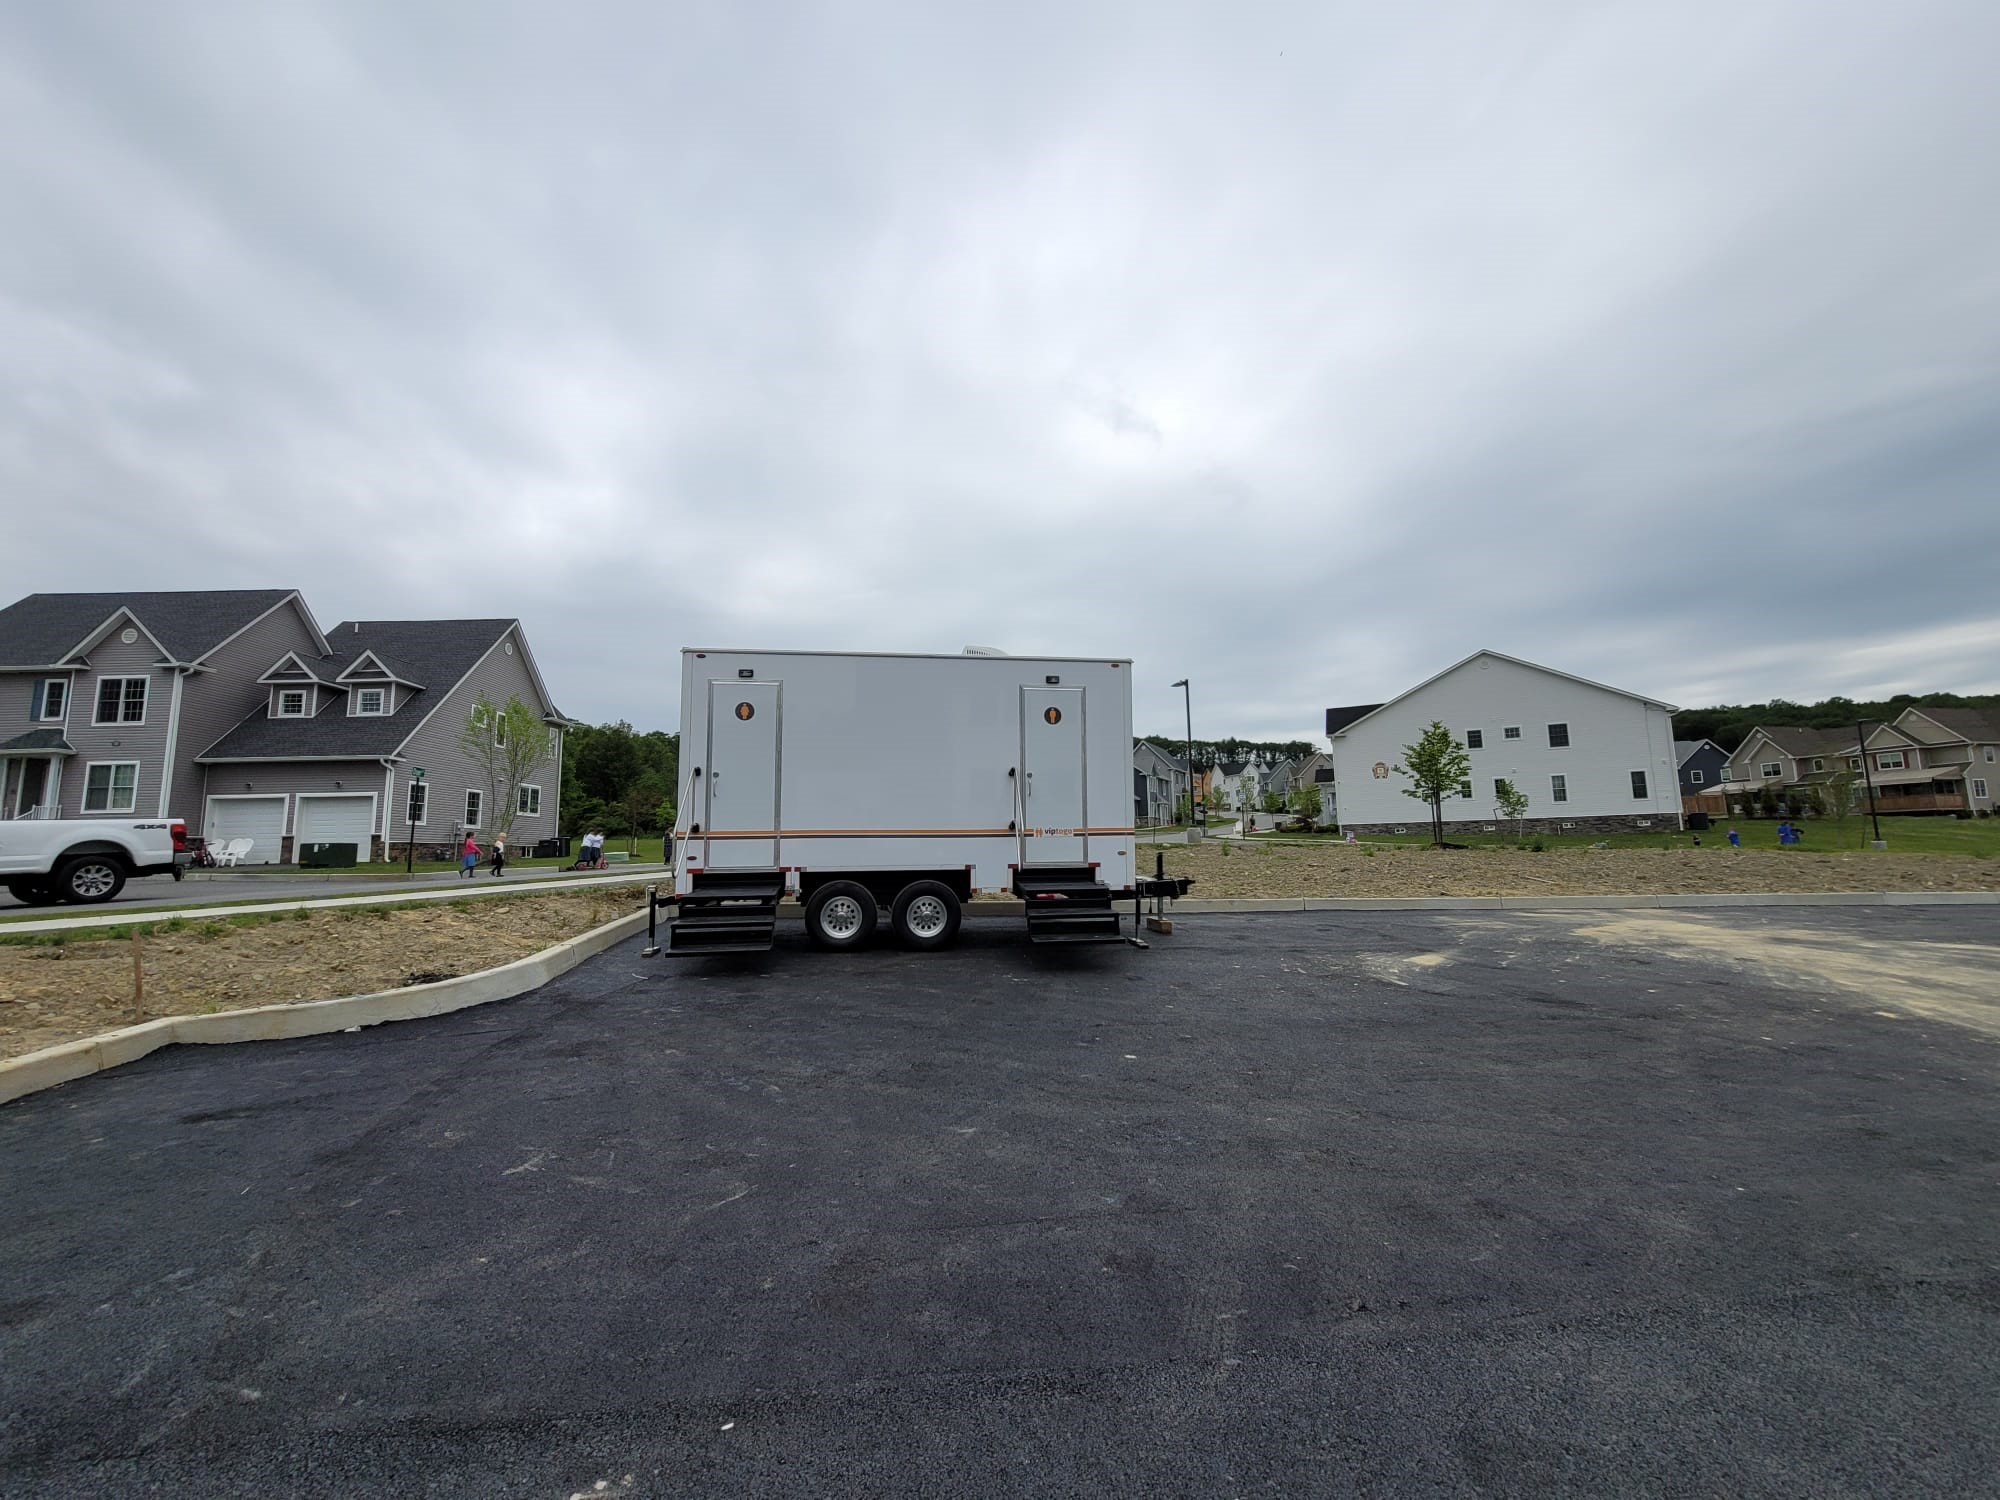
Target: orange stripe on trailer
883,833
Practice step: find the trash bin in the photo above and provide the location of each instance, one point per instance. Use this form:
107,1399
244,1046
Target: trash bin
329,856
1699,822
551,848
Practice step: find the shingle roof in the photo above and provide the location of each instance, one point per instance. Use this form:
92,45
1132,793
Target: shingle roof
38,739
1979,725
1338,719
1796,740
37,631
436,653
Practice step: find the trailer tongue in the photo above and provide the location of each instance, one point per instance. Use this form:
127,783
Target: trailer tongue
885,790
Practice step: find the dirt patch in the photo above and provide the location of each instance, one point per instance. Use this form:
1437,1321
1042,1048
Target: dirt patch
1333,869
52,993
1943,981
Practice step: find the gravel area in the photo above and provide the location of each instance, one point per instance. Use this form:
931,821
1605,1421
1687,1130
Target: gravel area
57,992
1223,869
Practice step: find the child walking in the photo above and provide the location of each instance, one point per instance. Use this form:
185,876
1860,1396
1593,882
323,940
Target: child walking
499,854
468,862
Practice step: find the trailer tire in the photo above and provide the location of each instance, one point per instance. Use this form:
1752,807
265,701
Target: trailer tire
86,879
841,915
925,916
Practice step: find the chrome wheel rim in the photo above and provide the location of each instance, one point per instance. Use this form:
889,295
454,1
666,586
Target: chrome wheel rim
925,917
91,880
840,917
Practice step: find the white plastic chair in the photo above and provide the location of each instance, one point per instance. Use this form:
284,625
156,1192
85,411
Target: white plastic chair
232,852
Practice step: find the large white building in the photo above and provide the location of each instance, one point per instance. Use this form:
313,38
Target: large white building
1591,759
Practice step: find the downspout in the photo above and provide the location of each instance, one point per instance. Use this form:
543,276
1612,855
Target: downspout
173,740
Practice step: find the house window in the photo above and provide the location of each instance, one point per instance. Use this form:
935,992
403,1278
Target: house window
1853,762
1558,789
1497,784
1770,768
1889,760
1818,764
1989,754
479,715
474,801
371,702
1638,786
1979,787
121,700
1513,733
1475,739
1558,736
55,701
292,703
1465,790
1694,778
111,786
419,803
529,803
499,731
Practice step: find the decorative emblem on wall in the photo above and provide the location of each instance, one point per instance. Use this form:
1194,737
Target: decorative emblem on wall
745,711
1381,770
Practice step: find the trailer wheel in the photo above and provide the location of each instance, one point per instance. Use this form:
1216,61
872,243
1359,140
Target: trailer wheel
840,915
926,915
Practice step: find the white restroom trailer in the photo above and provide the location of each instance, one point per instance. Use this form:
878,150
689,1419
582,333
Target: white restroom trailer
888,790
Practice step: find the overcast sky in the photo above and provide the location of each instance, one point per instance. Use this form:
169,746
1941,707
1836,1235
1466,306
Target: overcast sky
1301,349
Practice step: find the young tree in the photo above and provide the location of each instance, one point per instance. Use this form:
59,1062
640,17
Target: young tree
1839,800
1511,802
1435,765
1274,802
643,803
1306,802
506,742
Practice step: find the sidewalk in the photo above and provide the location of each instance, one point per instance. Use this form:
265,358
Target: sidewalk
440,888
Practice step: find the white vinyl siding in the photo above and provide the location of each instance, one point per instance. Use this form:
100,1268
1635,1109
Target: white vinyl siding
111,786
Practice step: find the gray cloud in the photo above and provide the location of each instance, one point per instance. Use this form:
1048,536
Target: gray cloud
1301,350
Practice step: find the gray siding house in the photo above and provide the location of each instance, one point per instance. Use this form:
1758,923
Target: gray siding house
328,753
104,698
231,710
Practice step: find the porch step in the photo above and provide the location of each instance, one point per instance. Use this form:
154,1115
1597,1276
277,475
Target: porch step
1067,904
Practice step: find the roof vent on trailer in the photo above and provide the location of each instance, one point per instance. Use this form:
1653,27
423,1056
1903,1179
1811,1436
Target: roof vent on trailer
983,651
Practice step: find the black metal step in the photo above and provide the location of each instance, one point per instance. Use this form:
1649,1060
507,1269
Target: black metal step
728,911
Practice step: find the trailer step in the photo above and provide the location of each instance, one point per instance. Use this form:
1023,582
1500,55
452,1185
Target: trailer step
733,911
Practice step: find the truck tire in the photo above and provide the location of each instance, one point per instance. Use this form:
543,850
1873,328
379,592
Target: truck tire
840,915
32,892
86,879
925,916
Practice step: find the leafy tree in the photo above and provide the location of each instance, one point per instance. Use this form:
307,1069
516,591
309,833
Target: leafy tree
1306,802
507,742
1274,802
1435,766
1840,799
642,806
1511,801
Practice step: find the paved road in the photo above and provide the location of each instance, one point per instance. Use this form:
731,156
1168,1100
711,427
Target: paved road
1505,1204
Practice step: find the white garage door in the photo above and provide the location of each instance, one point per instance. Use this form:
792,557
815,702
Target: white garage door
335,820
259,819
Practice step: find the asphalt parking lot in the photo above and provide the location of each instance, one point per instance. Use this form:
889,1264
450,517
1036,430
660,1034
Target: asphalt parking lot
1342,1204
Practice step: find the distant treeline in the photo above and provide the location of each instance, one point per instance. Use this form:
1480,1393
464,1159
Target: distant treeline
618,780
1208,752
1728,723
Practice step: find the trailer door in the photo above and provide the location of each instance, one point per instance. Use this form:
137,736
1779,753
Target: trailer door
1053,811
740,775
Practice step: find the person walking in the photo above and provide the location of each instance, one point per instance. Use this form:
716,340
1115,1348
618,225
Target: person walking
499,854
468,858
1735,839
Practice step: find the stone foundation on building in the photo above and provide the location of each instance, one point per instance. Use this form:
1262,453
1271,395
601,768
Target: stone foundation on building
1455,827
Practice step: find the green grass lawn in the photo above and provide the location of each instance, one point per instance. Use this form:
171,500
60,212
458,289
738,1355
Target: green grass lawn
1977,836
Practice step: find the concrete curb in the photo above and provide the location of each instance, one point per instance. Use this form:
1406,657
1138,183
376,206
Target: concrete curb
70,1060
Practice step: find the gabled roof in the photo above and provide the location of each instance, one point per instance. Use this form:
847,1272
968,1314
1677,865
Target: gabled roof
1497,656
46,741
440,652
291,667
1686,750
1174,762
1231,767
374,666
1796,739
45,629
1978,726
1338,719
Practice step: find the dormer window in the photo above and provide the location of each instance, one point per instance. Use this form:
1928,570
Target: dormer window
291,703
371,702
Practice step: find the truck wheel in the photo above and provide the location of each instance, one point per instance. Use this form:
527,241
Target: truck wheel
88,879
925,915
840,915
31,892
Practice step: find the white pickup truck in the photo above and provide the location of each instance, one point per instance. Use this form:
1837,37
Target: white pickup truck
85,860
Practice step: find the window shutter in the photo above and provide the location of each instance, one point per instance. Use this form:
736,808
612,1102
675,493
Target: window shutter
41,687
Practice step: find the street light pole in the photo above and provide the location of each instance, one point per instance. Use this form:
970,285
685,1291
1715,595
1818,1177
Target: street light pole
1187,702
1861,735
